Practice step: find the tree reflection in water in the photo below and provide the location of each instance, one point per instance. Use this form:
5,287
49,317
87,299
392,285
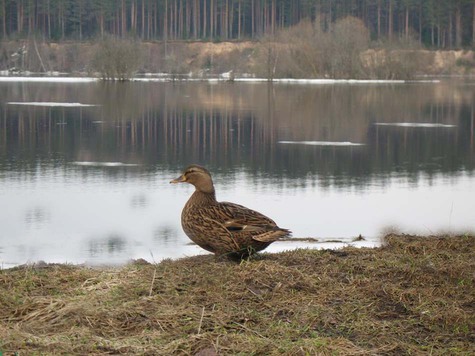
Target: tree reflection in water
164,125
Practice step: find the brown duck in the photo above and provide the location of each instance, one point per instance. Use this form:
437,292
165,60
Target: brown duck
221,227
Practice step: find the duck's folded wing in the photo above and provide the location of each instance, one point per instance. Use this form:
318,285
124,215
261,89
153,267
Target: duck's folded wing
235,216
218,237
243,223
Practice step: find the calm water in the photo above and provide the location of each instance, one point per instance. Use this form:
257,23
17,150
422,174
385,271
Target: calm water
84,167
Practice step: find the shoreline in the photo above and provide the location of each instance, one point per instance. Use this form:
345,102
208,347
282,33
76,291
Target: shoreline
280,246
159,77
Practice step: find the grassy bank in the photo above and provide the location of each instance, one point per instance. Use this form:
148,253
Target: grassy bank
414,295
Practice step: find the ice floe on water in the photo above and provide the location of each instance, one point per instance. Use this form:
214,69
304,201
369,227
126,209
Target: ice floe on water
104,164
49,103
322,143
413,124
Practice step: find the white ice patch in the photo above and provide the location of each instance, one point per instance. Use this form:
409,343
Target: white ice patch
104,164
48,103
336,81
412,124
164,77
222,78
322,143
49,79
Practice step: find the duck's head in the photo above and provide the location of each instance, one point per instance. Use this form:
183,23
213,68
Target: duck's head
198,176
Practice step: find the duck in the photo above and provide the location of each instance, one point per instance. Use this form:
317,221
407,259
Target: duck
223,228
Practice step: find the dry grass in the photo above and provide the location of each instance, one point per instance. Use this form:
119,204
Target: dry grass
413,296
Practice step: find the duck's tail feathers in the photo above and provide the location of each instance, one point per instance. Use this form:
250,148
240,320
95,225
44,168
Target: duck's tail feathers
273,235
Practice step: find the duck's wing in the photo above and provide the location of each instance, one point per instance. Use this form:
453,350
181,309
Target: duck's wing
232,227
218,237
237,217
240,221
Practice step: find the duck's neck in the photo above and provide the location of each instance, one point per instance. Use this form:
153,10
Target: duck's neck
199,198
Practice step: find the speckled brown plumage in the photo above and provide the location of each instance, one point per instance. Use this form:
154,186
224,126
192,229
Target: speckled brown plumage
221,227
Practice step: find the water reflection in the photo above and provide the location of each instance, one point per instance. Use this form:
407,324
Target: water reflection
36,217
312,154
112,245
165,235
173,124
139,201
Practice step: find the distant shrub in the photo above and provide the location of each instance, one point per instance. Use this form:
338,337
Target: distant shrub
305,50
467,62
117,59
391,64
176,60
349,38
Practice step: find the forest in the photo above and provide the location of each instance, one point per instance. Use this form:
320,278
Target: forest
433,23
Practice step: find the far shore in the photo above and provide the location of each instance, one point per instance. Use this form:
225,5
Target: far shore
160,77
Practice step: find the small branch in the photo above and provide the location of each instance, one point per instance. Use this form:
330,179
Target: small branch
201,320
151,285
38,54
244,327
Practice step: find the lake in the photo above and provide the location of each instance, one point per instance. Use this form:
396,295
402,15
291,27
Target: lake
85,166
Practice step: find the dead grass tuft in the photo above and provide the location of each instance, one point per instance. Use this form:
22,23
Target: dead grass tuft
414,295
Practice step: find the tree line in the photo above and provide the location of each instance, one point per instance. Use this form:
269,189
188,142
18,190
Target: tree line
435,23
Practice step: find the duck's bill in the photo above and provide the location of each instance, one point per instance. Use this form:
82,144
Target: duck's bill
180,179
